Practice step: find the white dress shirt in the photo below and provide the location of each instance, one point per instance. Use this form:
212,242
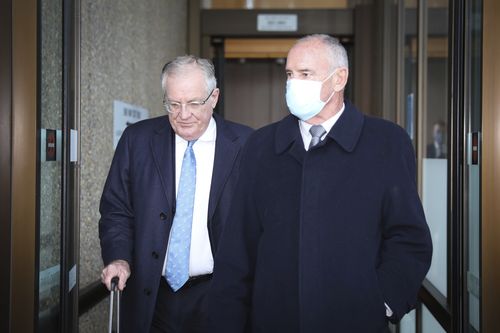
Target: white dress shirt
327,125
200,257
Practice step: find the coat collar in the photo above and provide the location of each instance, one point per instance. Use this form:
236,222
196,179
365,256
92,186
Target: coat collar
345,132
226,151
162,146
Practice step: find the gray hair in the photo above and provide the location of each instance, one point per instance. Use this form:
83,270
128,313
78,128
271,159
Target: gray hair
180,64
338,53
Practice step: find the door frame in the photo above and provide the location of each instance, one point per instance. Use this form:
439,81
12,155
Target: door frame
490,210
5,159
24,172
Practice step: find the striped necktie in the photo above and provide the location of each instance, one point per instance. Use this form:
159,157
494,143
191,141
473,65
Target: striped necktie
317,132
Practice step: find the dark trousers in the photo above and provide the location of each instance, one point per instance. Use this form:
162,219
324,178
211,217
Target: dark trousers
183,311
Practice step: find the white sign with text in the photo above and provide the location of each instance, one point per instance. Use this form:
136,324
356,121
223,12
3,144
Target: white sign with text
277,22
125,115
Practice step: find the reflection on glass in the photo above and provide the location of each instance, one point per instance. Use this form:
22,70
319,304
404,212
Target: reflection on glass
410,68
434,120
437,148
50,162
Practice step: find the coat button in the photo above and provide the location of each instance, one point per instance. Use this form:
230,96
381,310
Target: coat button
147,291
163,216
154,254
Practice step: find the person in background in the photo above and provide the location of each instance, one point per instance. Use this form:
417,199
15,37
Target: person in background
326,232
166,200
437,149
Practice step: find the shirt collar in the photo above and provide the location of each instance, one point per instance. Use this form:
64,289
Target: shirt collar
346,132
327,125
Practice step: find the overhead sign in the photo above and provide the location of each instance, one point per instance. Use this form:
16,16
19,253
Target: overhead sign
277,22
123,116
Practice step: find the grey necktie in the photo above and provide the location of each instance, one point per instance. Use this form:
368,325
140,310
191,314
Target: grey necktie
317,132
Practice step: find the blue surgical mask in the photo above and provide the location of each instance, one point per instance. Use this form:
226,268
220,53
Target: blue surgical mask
303,97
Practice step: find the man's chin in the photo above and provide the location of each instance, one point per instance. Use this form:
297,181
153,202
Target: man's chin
187,133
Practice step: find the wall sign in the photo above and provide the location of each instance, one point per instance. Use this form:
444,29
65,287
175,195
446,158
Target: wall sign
277,22
125,115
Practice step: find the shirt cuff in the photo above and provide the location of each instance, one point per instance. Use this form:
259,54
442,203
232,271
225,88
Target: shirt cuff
388,311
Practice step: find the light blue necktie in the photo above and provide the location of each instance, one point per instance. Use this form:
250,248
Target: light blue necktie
177,268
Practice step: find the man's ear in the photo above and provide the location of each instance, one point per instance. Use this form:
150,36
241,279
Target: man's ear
340,78
216,97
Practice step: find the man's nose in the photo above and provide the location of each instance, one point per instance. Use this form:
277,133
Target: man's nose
184,113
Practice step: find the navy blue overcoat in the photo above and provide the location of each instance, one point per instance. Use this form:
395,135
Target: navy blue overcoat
318,241
138,203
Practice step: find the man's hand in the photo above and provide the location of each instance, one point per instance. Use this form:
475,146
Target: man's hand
118,268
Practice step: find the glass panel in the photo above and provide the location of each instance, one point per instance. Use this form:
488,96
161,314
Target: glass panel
434,121
407,324
429,323
472,181
50,164
410,68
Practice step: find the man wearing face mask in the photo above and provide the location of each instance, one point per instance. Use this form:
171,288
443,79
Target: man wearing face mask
437,149
326,232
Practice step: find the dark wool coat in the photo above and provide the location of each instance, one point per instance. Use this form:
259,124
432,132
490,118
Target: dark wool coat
318,241
138,204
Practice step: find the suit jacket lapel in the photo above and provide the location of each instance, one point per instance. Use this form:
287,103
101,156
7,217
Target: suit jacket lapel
226,151
163,150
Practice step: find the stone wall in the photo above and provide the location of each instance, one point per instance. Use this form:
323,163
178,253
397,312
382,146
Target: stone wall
124,45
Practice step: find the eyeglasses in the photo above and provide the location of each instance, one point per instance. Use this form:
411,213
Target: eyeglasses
193,106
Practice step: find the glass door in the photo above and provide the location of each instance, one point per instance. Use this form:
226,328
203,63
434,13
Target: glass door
440,106
472,181
50,164
57,199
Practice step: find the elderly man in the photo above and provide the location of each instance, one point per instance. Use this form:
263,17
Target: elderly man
166,201
327,232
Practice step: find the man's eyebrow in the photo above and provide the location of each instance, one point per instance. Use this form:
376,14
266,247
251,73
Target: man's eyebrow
305,70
